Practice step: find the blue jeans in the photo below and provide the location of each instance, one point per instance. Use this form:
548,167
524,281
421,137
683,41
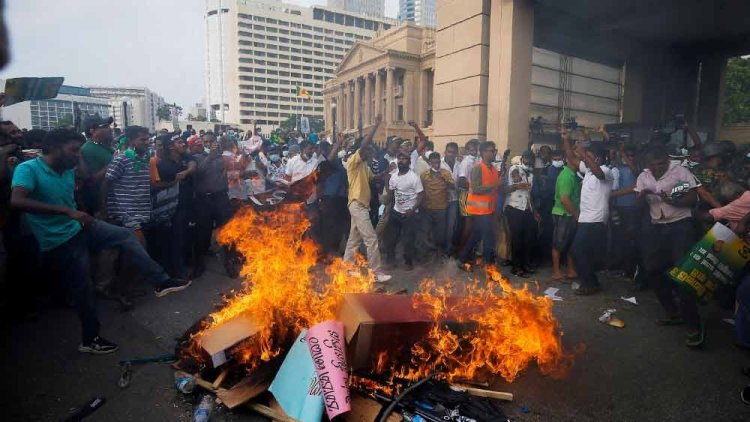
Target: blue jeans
481,229
589,241
70,263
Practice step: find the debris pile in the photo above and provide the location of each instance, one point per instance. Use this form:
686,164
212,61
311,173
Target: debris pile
303,338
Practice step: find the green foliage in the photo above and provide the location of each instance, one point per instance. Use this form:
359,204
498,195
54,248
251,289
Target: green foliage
737,93
65,121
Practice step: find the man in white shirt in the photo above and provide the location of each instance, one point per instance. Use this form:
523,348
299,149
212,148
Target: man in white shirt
522,217
591,234
300,166
407,193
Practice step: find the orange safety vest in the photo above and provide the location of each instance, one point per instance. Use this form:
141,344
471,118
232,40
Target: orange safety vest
484,204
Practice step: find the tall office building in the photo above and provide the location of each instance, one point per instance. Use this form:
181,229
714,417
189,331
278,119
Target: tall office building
131,106
54,112
421,12
374,8
260,51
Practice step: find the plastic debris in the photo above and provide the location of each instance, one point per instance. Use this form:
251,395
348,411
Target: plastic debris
629,299
551,293
608,318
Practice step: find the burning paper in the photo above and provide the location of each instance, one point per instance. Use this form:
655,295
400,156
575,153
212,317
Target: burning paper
296,386
326,343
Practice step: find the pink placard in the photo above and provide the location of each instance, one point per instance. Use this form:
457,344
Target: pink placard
328,350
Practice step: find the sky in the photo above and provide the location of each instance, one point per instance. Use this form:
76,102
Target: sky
159,44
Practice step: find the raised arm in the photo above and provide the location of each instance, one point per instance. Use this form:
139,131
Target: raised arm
336,147
573,160
368,139
422,143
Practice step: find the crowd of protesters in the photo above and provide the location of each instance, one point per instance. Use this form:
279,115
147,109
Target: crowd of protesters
99,208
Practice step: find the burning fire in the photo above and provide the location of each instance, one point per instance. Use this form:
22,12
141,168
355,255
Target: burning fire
284,292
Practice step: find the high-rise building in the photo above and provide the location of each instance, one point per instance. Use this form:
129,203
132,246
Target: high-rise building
375,8
261,51
55,112
421,12
131,106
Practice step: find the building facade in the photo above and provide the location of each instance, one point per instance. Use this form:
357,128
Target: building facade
261,51
374,8
55,112
392,76
421,12
131,106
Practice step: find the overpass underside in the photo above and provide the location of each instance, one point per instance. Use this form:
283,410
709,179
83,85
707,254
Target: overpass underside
669,56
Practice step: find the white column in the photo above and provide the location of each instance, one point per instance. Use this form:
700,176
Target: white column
357,103
378,93
367,119
389,95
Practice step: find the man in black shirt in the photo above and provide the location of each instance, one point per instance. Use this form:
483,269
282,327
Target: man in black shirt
212,207
177,166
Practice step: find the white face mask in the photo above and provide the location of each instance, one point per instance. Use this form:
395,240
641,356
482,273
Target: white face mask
341,154
558,163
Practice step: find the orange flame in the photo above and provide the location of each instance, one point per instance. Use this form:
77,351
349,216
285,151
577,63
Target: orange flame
502,331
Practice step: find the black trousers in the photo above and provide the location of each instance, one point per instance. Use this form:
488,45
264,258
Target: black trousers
522,235
400,226
662,248
211,210
334,222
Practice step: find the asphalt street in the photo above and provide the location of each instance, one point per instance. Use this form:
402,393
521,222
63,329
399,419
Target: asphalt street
642,372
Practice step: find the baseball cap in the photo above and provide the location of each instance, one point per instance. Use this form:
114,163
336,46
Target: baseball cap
95,122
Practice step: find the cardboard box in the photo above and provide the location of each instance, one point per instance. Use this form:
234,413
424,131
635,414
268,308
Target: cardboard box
218,339
374,323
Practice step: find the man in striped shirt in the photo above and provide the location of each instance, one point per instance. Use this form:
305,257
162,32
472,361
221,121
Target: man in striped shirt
126,190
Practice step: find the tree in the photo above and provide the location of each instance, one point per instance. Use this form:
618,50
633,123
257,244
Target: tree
163,113
66,121
737,94
316,124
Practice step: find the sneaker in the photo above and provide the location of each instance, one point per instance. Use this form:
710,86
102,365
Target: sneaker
382,278
170,286
98,346
695,339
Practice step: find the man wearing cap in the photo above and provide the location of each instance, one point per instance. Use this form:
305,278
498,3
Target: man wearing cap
96,155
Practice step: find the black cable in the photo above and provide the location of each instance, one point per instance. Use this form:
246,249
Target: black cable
389,409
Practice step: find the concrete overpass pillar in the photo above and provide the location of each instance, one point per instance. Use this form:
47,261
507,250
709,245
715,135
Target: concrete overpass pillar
461,71
710,113
509,96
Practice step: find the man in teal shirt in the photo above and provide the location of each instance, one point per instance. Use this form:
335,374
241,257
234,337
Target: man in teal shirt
43,189
564,218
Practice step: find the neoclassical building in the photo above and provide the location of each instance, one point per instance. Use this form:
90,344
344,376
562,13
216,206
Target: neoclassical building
391,75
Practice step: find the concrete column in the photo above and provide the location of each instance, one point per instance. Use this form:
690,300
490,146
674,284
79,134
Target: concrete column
367,119
713,75
340,106
389,95
357,104
462,45
350,92
410,102
378,93
509,92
